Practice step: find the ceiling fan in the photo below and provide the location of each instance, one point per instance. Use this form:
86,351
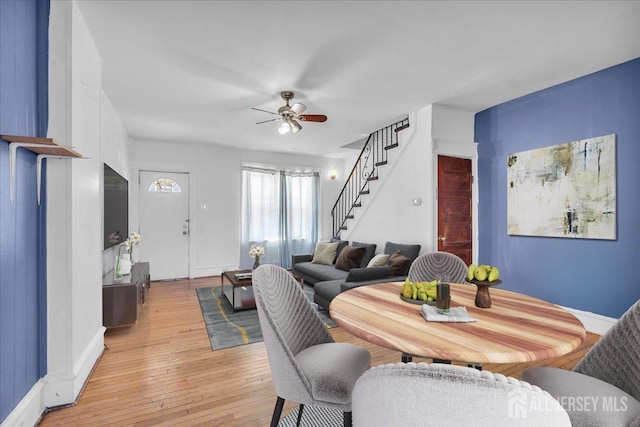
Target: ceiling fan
290,114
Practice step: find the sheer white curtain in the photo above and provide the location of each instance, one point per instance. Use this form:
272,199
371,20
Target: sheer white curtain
260,219
298,214
280,212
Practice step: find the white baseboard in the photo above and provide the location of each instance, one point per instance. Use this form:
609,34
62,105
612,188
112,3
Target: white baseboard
64,389
594,323
210,271
29,410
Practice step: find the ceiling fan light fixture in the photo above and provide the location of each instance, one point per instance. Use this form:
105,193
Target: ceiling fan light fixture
298,108
284,128
295,126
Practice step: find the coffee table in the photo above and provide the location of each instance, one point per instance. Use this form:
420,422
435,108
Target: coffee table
517,328
239,290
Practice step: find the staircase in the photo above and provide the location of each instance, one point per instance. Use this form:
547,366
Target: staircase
374,155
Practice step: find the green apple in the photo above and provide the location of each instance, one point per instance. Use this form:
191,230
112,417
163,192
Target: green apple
470,273
480,273
494,274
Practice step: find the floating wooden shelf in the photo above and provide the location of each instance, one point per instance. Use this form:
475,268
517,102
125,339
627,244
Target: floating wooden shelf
43,147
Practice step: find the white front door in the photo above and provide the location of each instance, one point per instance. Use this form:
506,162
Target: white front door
164,224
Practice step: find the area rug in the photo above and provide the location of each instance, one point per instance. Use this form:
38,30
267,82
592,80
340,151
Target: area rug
314,416
228,329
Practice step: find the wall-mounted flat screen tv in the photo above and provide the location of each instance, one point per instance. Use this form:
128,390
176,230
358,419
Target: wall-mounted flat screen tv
116,208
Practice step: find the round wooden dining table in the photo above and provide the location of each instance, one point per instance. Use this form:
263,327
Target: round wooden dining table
517,328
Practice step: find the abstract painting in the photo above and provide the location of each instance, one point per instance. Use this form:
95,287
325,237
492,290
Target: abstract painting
566,190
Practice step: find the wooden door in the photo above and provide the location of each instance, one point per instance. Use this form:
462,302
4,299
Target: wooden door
454,207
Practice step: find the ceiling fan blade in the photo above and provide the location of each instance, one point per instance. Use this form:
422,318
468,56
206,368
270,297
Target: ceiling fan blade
298,108
270,120
312,117
265,111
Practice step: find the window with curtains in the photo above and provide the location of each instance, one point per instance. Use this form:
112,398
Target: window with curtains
279,212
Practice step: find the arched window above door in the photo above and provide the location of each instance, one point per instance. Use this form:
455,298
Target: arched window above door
165,185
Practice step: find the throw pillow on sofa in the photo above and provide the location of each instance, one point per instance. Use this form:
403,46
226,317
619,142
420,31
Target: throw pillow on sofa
341,245
350,257
325,253
369,253
379,260
399,264
410,251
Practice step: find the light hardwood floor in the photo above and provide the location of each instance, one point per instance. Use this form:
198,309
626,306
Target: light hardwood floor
162,371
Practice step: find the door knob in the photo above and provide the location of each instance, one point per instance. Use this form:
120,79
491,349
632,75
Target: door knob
442,238
185,232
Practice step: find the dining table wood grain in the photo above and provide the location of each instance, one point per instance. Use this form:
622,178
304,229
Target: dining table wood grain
517,327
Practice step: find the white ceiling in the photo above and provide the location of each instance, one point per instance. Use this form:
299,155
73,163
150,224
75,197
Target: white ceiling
191,70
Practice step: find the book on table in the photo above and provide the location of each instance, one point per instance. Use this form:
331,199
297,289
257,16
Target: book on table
243,276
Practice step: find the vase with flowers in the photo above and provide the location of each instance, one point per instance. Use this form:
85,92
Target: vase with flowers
133,241
255,252
123,260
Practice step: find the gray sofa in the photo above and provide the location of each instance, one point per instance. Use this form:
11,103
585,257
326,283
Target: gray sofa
329,281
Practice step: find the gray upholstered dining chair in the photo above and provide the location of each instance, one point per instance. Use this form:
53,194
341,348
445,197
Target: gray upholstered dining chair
430,266
434,265
410,394
604,387
307,365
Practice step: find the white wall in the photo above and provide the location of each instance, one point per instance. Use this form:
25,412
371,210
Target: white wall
82,117
114,143
75,333
59,334
452,124
387,214
215,180
86,236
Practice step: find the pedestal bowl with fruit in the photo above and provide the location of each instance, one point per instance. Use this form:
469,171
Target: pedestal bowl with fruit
483,276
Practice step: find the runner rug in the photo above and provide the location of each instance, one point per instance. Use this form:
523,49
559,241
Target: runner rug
228,329
314,416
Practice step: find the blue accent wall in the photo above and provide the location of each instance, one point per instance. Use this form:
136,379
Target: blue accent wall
24,26
594,275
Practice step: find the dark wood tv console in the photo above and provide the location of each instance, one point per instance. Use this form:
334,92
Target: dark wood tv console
122,300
